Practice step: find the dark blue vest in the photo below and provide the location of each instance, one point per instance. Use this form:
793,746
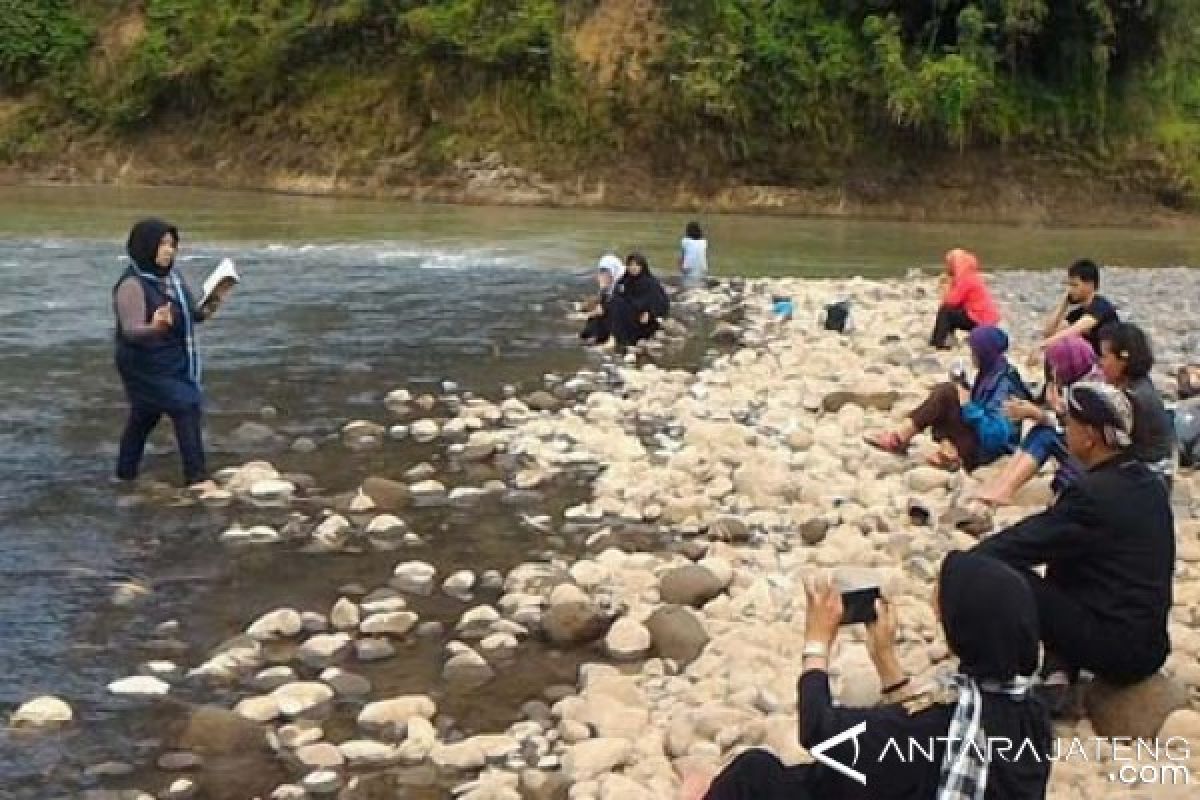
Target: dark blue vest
161,372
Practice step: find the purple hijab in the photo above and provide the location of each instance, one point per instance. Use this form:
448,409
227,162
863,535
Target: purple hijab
1070,359
988,344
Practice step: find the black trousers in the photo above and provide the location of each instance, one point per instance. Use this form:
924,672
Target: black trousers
1076,639
759,775
619,321
188,437
949,319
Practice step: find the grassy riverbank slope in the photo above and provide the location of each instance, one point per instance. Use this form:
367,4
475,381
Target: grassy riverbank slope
1025,110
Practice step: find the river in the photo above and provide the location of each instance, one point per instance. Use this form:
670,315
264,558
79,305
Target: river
342,301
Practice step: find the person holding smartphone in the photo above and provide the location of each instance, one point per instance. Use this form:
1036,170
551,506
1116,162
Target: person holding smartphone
989,617
1082,311
156,358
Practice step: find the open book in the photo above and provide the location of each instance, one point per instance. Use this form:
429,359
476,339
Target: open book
218,282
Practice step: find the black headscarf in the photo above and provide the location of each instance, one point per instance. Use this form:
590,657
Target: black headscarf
990,617
143,242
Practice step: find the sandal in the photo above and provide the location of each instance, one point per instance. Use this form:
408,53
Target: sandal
888,442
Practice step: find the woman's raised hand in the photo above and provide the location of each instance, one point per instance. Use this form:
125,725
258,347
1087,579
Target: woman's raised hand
823,613
881,643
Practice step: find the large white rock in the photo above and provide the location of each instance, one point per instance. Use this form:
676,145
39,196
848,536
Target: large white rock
393,714
369,753
42,712
424,430
258,709
139,686
386,525
627,639
272,492
324,648
594,757
278,624
302,697
345,616
414,576
393,623
460,583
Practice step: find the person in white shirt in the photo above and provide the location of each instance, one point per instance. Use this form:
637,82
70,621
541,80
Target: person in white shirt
693,261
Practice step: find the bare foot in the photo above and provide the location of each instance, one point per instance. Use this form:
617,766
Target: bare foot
695,786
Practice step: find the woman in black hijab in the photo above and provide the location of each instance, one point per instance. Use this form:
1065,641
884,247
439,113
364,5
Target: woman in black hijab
156,350
646,302
990,620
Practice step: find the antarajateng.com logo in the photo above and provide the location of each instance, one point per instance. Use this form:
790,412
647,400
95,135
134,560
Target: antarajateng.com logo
1158,762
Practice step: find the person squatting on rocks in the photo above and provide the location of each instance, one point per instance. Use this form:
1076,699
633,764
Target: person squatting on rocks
646,297
1108,546
1126,358
1091,311
598,328
990,620
693,256
968,424
966,302
156,356
1069,360
631,305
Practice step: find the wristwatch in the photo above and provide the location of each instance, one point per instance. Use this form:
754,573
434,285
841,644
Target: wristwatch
814,650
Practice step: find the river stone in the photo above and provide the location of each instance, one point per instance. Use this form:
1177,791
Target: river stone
467,668
690,585
428,490
272,492
302,698
373,649
414,576
677,633
542,400
460,583
394,623
282,623
424,430
346,684
386,525
139,686
574,623
300,733
368,753
391,716
289,791
462,756
258,709
388,495
873,400
181,789
627,640
42,712
179,761
594,757
320,755
729,529
1136,711
345,615
1184,723
272,678
323,649
323,781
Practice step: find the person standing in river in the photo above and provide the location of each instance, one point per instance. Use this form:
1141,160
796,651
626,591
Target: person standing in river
693,257
156,356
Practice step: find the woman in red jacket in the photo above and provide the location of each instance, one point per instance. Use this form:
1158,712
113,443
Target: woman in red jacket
966,301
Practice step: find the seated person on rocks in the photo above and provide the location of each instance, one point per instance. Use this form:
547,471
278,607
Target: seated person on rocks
968,424
645,302
598,328
1108,546
1068,361
989,618
1126,359
1082,310
965,302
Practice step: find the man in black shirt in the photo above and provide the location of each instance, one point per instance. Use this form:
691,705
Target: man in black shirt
1108,545
1091,313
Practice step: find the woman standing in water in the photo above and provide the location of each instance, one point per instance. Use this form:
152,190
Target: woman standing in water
156,356
693,258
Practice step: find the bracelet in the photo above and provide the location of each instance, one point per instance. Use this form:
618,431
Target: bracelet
814,650
895,687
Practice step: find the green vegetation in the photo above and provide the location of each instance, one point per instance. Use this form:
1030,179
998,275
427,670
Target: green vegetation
762,88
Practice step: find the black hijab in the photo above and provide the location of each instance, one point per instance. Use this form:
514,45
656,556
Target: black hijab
143,242
990,617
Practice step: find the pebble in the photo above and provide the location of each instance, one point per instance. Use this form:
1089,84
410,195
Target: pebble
42,712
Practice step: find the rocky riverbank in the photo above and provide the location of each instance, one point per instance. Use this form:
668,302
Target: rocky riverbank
711,494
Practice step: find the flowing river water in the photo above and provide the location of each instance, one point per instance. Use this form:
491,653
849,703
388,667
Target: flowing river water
342,301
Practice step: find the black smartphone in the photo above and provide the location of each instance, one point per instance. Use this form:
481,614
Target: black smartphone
858,605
